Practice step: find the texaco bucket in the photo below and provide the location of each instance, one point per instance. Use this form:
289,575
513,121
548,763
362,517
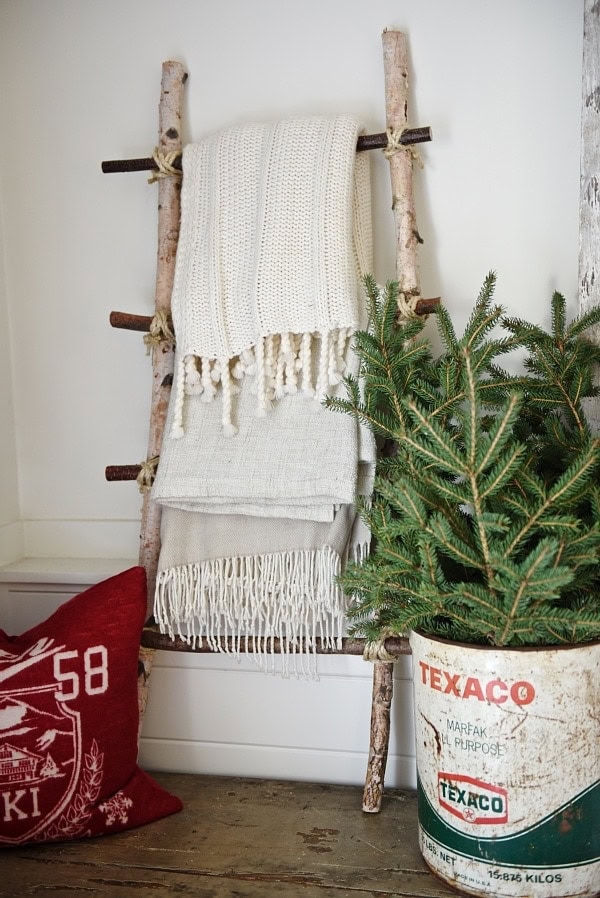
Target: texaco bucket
508,764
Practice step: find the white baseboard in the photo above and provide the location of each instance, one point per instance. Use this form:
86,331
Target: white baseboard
211,714
12,542
270,762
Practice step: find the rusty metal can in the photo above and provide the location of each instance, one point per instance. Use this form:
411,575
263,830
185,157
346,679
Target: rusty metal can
508,765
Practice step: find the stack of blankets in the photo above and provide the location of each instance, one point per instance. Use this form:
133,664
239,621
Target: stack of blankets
257,479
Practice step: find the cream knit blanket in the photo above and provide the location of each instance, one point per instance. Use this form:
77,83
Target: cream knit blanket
275,224
260,481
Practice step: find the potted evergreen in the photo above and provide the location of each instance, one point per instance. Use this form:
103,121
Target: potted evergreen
486,540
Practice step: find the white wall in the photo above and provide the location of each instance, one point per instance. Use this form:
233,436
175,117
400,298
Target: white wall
499,83
11,528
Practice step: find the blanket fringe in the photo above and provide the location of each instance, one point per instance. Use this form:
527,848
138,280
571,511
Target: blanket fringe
274,362
290,596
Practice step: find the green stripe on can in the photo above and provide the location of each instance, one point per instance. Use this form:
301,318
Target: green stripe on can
568,837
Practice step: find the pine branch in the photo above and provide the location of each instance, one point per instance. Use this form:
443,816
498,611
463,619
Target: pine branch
569,486
485,512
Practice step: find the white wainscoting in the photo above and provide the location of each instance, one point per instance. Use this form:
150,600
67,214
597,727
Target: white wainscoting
214,714
12,541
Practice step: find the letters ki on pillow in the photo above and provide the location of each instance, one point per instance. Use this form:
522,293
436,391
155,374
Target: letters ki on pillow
69,721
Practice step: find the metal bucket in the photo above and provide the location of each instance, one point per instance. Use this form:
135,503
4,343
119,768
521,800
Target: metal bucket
508,764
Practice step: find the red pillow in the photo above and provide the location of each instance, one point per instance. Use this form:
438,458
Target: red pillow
69,721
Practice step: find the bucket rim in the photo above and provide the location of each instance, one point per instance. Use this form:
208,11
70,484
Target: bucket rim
507,649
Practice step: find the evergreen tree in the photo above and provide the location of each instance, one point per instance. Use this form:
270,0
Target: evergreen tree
486,510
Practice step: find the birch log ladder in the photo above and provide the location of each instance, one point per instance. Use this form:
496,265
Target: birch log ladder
397,142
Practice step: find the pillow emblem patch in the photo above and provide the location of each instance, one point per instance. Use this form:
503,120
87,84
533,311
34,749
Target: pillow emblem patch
49,780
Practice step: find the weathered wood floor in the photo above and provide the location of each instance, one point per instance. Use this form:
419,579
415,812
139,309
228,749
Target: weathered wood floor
240,838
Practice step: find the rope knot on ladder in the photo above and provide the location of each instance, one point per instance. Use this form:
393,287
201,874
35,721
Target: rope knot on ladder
375,649
164,162
395,145
145,478
160,331
407,306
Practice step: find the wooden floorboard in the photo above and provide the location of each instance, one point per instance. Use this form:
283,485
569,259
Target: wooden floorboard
240,838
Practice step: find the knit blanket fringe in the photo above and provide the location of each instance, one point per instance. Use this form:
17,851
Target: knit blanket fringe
279,364
250,601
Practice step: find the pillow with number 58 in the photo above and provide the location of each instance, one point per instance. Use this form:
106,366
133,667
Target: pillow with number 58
69,721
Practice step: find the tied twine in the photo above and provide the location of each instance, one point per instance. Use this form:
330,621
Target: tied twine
375,649
145,478
394,145
160,332
164,161
407,306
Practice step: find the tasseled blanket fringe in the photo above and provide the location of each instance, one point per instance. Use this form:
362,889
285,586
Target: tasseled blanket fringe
251,600
280,364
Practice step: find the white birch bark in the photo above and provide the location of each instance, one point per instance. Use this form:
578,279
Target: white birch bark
395,64
169,191
589,198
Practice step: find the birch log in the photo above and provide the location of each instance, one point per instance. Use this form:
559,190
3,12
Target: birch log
381,703
589,199
145,659
395,66
169,191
